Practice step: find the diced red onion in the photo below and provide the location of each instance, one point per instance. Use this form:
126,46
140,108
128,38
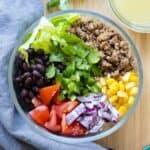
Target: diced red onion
72,116
114,120
107,116
90,111
79,118
93,112
100,113
103,98
114,112
97,127
89,105
87,121
92,97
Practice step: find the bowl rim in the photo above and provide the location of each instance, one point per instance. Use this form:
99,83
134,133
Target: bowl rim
132,26
60,138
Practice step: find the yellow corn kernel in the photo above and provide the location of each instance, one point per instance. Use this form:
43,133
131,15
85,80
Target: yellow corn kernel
122,110
134,78
102,81
130,85
104,89
111,92
121,94
113,99
109,81
126,77
131,101
121,86
114,86
120,101
117,106
133,91
125,99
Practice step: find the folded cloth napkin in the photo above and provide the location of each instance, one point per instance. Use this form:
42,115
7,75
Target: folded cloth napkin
15,134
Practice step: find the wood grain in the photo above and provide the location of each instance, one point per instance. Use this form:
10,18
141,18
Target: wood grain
136,132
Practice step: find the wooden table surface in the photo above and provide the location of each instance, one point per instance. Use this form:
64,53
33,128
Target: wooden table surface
136,132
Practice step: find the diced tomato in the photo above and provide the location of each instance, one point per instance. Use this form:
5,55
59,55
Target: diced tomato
52,124
65,107
74,129
40,114
47,93
36,102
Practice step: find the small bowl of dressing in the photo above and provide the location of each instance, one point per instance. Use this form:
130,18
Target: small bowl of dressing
135,14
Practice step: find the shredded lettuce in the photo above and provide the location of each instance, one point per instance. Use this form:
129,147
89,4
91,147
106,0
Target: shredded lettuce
42,24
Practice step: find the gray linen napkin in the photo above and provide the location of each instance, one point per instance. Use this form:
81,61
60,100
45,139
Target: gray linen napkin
15,134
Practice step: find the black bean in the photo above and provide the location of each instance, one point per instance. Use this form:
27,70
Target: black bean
20,84
36,74
39,60
30,51
19,60
24,93
47,83
27,100
26,75
19,72
33,66
22,77
25,66
40,68
40,52
28,81
18,79
46,58
40,83
31,95
34,79
35,89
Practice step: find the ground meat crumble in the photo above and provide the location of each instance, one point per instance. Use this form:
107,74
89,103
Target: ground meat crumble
116,56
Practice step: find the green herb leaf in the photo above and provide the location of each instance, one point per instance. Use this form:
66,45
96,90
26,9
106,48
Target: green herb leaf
50,72
93,57
95,70
53,3
75,77
73,88
56,57
70,69
68,50
82,65
72,97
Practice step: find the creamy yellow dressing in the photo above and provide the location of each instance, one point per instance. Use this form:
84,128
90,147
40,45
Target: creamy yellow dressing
135,11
